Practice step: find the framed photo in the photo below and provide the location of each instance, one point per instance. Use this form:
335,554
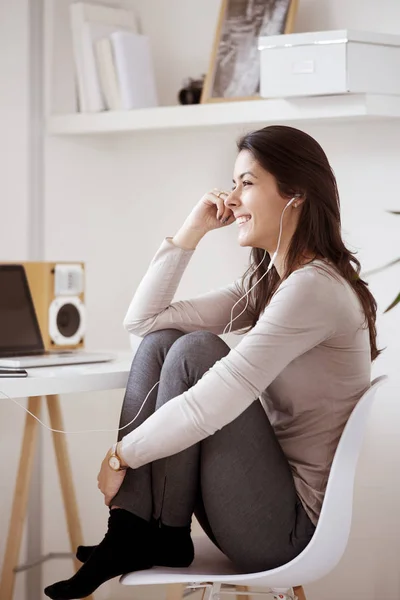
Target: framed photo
234,72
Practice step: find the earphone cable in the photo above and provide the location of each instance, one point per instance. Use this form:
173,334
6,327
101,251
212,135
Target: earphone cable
145,400
266,272
80,431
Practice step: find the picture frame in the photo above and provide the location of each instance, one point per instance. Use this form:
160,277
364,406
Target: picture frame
234,69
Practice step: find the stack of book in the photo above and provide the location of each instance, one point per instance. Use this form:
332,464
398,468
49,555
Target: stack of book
113,62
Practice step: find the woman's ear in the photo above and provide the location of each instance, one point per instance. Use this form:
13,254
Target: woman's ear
300,198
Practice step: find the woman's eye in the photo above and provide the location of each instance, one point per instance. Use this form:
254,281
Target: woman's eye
244,183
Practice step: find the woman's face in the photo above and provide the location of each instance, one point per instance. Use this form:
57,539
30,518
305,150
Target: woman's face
255,195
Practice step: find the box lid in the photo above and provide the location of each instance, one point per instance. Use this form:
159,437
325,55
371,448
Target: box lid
327,37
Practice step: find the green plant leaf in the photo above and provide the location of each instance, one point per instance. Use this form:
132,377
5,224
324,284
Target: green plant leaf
395,301
379,269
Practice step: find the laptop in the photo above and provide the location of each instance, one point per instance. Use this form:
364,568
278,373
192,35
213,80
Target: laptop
21,342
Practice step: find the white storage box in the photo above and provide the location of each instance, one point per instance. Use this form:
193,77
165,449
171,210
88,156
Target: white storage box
329,62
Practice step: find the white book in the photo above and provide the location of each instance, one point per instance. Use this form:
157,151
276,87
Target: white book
63,96
107,74
135,72
90,22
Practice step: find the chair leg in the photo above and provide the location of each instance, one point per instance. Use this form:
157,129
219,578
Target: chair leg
175,591
20,501
213,592
299,592
242,588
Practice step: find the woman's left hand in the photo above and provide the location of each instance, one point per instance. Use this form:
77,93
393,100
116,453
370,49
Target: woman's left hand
109,481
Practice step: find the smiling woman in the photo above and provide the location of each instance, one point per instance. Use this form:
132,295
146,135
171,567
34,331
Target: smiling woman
291,163
243,438
257,206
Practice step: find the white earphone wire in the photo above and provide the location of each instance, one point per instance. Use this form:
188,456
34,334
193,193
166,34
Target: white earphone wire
271,263
145,400
80,431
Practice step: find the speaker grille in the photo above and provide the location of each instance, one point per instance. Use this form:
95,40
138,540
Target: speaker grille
68,320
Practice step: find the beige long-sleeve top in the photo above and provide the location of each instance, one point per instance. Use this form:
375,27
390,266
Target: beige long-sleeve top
307,360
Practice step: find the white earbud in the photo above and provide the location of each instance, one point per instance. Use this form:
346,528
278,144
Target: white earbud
292,200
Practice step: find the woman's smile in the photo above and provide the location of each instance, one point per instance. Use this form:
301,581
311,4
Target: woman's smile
242,221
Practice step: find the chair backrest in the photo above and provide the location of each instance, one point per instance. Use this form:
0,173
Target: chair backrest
332,533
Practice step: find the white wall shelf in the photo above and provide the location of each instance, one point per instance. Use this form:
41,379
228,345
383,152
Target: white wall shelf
345,107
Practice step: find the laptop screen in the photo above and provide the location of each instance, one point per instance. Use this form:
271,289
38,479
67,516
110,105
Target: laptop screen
19,329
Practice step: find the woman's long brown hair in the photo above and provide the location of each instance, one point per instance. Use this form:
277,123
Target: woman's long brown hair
300,166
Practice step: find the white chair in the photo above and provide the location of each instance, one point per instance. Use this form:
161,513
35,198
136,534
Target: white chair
212,570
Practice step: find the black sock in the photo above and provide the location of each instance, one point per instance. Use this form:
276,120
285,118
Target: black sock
173,546
84,552
126,547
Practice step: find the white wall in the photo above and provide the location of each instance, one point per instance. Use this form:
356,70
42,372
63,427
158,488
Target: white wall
14,102
14,219
111,200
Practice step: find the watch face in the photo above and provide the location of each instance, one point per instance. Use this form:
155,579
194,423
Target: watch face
114,463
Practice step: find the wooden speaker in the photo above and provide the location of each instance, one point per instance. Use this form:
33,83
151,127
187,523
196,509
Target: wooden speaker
58,296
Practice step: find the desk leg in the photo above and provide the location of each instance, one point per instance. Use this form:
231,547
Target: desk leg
20,501
175,591
242,588
65,473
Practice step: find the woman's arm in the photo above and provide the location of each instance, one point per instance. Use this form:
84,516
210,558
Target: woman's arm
302,314
152,309
187,238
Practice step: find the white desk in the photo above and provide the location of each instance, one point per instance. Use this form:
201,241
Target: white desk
70,379
49,382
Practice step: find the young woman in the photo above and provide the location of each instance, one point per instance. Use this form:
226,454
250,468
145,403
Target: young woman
242,438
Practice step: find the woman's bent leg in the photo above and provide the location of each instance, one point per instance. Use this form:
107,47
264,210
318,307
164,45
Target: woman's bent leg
176,478
249,506
135,494
167,488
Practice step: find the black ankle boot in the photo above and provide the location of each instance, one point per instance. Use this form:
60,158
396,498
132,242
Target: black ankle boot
173,546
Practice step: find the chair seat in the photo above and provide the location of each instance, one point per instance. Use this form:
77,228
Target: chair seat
209,563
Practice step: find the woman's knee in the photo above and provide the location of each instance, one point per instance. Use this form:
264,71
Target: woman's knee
161,338
154,347
201,346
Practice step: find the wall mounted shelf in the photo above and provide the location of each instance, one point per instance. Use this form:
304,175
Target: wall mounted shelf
345,107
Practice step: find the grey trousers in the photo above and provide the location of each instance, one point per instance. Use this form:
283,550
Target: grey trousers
237,482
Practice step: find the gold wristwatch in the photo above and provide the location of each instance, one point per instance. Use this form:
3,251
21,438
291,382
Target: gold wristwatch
114,461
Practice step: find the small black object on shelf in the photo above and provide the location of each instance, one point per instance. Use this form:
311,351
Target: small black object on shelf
191,91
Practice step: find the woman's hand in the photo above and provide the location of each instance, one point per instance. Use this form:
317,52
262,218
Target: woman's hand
109,481
210,212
